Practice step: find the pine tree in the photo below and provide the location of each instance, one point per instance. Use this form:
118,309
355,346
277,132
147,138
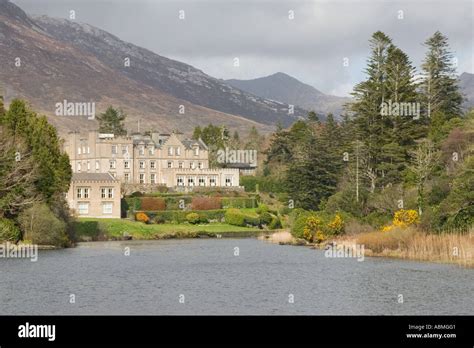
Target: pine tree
439,87
369,95
111,121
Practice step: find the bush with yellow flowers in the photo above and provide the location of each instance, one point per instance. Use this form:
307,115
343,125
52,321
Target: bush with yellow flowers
402,218
312,226
336,226
405,218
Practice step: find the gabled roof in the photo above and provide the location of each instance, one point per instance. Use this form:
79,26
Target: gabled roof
92,177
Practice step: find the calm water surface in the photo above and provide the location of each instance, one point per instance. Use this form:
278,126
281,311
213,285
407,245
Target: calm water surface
214,281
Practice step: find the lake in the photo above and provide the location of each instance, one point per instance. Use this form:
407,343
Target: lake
204,276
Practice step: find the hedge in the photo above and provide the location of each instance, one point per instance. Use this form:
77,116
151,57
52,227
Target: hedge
179,216
237,218
239,202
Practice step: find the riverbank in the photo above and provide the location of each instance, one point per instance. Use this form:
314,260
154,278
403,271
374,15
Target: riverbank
89,229
412,244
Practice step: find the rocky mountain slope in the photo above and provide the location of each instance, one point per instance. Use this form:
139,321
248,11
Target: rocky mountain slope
49,60
289,90
466,82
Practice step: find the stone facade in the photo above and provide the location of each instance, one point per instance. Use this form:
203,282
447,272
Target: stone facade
169,160
94,195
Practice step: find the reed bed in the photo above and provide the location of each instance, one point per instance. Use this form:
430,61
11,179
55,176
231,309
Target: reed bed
413,244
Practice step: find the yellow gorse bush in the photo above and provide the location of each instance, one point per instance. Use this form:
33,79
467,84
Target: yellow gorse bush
312,226
402,218
142,217
405,218
336,225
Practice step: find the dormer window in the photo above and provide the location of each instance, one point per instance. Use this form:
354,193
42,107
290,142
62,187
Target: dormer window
170,151
141,150
196,151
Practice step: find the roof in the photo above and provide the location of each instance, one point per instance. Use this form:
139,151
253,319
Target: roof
241,165
92,177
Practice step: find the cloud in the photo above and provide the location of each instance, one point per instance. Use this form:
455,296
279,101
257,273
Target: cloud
310,47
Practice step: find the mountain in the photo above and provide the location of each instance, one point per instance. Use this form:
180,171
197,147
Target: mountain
287,89
466,82
46,61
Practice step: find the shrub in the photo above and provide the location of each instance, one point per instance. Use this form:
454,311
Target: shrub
9,232
159,219
179,216
275,223
336,226
262,208
41,226
312,229
206,203
193,218
152,203
234,217
266,218
143,217
405,218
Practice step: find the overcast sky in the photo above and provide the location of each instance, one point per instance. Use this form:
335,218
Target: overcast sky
311,47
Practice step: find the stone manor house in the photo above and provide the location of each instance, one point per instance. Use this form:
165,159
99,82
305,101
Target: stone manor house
104,166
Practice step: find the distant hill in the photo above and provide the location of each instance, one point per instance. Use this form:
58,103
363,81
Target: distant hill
287,89
466,82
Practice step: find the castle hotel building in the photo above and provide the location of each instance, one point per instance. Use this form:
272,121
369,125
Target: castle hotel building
137,163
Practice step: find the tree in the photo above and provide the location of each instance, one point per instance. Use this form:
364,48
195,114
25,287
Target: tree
111,121
423,161
439,86
197,133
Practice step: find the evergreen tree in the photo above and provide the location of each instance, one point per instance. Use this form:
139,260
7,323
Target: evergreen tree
197,133
111,121
439,86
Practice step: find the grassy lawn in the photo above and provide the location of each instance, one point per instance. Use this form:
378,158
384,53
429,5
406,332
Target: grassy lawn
103,229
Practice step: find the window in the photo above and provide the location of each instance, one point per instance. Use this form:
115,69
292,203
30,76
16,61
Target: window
200,165
180,165
153,178
88,149
180,181
228,181
170,151
151,150
83,149
170,164
152,164
190,181
191,165
97,165
79,150
126,165
142,178
202,181
114,149
212,181
88,165
142,164
124,150
79,166
112,164
127,177
107,192
196,151
83,192
107,208
178,151
141,150
83,208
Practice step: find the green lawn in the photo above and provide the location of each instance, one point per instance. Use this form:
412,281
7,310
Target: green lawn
103,229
